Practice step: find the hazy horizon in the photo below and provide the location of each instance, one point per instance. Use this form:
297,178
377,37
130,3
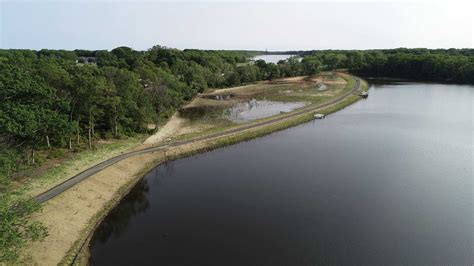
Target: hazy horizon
236,25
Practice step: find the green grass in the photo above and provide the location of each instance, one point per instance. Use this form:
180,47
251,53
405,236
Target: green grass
364,85
78,162
341,105
213,129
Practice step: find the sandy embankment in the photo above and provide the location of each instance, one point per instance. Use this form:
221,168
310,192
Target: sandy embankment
73,215
167,131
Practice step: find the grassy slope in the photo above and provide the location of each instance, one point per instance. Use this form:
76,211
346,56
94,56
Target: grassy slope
78,163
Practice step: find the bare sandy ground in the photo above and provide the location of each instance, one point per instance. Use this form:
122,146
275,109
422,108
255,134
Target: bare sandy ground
69,215
293,79
167,131
242,89
221,91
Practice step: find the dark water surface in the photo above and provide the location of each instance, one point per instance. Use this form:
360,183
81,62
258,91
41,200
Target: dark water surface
388,180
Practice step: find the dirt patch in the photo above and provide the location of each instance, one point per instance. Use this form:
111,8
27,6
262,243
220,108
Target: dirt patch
292,79
229,90
200,102
329,80
151,126
242,91
167,131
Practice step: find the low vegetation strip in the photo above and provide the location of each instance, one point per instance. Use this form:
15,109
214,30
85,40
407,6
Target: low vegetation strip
85,174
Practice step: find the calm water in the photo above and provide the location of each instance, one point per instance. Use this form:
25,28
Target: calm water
272,58
387,180
255,109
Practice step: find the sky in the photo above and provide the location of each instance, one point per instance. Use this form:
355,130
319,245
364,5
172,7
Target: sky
247,25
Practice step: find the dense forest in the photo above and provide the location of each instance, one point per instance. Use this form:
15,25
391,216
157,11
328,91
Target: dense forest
441,65
452,65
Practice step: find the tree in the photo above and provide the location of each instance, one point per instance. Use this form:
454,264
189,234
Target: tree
334,60
83,98
26,108
123,101
247,73
272,71
296,68
311,65
126,56
355,61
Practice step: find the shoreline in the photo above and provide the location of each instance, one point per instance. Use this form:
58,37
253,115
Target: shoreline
132,169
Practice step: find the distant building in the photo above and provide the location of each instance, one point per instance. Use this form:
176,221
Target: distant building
86,60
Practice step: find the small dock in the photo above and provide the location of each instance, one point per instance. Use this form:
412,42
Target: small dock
364,94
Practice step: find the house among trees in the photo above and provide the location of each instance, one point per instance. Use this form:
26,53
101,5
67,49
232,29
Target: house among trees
86,60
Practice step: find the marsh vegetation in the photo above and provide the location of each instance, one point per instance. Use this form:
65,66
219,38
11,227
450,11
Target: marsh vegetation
228,107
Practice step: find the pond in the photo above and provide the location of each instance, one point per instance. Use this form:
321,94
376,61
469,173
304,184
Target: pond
256,109
388,180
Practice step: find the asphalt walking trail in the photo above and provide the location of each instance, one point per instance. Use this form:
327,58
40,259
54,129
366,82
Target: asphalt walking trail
58,189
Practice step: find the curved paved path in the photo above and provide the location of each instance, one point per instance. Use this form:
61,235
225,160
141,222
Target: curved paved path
58,189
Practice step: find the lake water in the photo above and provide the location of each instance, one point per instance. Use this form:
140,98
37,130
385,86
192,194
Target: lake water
272,58
256,109
388,180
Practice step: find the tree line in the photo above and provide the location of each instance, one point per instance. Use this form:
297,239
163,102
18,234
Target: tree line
441,65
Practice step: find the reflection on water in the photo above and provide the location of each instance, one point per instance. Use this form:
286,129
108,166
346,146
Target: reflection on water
118,219
386,181
255,109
